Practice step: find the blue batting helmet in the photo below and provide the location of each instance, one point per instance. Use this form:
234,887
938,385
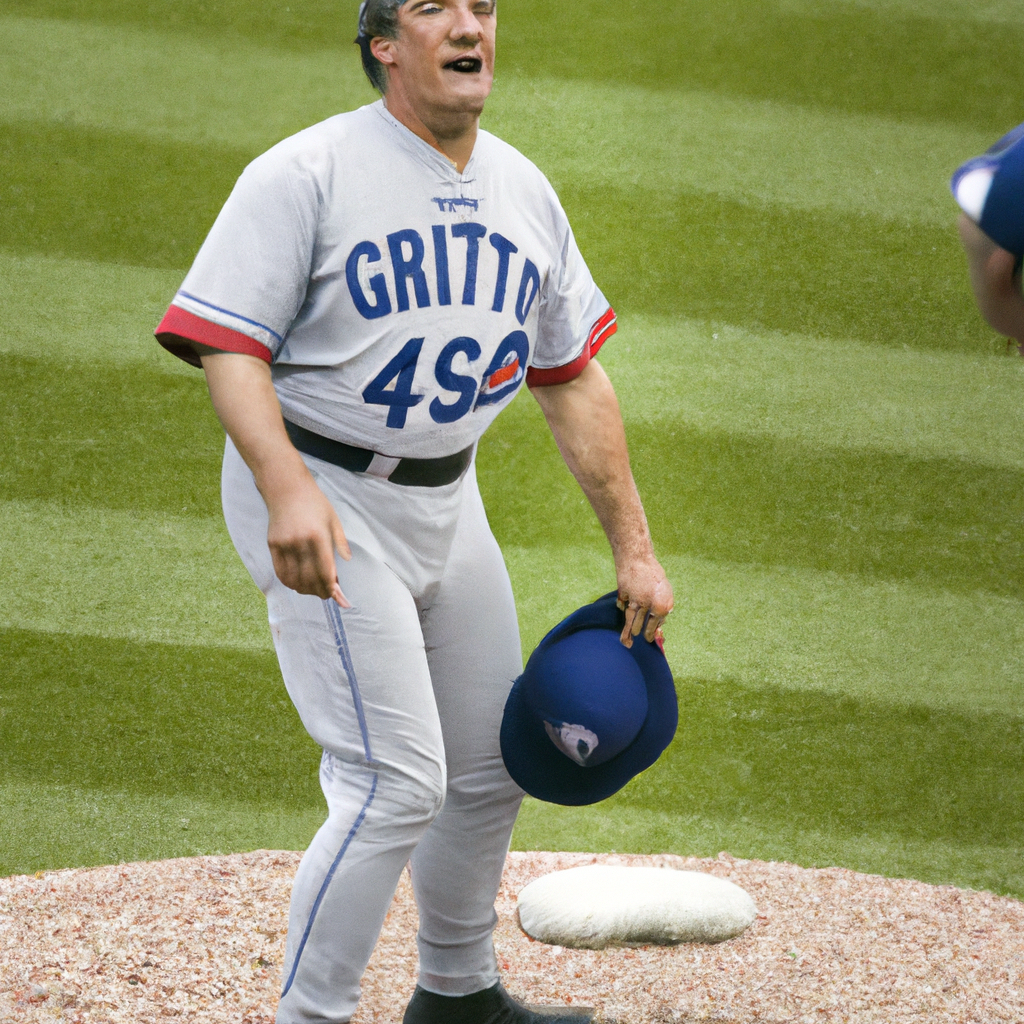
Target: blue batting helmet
588,714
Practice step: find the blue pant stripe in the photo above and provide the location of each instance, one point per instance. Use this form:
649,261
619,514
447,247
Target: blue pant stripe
333,613
327,881
341,642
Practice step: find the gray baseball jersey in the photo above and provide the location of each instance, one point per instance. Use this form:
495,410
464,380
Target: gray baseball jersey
402,304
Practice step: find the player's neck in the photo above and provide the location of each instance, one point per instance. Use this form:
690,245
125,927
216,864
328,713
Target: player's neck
451,133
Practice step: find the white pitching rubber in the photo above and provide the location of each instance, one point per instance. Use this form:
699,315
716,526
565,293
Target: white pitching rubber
603,905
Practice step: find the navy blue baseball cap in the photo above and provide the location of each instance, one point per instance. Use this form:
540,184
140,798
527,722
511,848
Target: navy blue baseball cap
588,714
990,190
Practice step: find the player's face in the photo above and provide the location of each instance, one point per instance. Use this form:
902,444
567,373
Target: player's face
444,53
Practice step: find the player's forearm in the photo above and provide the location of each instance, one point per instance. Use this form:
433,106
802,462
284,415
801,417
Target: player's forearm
996,287
584,418
304,531
244,399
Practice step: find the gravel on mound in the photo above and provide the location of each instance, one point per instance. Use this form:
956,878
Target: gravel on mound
201,940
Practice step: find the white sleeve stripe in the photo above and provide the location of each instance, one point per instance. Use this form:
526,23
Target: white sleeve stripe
236,316
602,330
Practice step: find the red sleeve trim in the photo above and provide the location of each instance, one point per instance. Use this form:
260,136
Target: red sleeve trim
179,328
605,327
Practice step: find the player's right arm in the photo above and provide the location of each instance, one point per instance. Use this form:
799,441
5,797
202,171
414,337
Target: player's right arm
995,280
304,531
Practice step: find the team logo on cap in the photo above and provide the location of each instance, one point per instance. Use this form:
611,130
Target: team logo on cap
575,741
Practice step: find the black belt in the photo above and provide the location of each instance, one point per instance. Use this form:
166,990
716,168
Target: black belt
408,472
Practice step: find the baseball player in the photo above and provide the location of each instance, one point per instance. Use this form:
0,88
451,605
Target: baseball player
990,191
375,290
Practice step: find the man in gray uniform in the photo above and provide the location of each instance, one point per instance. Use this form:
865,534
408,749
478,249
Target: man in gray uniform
376,289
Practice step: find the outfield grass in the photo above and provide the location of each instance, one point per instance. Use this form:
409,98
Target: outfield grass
826,436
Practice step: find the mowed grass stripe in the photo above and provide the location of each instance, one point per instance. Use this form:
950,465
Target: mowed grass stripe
712,376
997,12
166,722
768,267
842,56
775,502
69,311
70,192
111,196
152,719
163,720
149,441
762,152
841,764
139,441
156,578
796,629
823,392
624,829
177,580
62,826
245,96
212,89
937,522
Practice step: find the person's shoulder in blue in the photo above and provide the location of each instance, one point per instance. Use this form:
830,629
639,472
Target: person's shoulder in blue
990,192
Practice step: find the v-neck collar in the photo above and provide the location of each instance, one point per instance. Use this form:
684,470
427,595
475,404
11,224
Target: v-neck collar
434,158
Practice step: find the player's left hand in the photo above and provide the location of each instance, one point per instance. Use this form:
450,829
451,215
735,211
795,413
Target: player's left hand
645,595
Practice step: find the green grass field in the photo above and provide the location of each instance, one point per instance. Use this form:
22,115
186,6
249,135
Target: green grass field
826,435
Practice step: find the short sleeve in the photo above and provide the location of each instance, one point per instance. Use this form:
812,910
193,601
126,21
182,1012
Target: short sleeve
575,318
249,279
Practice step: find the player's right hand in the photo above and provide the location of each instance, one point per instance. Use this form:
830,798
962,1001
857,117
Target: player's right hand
303,536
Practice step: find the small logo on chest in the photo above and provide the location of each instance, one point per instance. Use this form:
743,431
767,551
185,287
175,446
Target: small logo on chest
452,205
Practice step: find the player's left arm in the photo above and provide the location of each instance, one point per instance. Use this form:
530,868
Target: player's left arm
584,417
995,281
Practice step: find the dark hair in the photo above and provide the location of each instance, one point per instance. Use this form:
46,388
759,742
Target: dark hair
377,18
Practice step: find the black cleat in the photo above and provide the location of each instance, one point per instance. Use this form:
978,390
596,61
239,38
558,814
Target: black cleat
491,1006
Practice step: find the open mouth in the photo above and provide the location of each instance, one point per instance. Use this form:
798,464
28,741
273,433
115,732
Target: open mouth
465,65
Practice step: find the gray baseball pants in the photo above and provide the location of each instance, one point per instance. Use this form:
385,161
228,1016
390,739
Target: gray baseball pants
404,692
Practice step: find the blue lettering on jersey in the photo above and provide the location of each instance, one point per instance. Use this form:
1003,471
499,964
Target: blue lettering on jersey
529,286
407,251
505,249
392,386
444,288
451,381
472,233
378,285
404,268
399,399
